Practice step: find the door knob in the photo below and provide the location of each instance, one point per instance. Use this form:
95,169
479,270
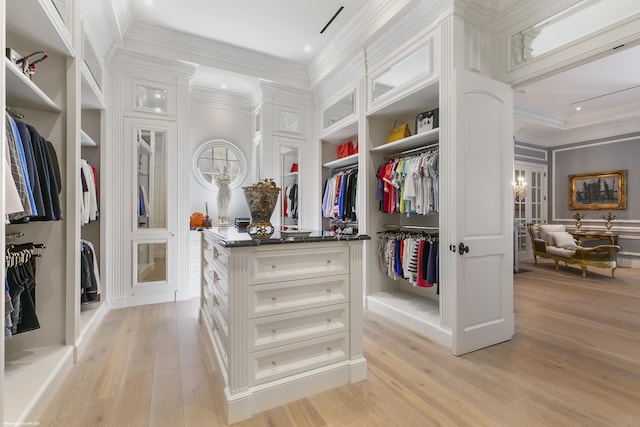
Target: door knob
463,249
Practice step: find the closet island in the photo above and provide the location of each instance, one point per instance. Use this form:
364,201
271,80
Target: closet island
284,316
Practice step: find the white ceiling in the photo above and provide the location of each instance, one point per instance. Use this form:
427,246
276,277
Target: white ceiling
607,89
281,28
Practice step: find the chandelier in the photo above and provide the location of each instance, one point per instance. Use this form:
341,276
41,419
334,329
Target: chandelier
519,189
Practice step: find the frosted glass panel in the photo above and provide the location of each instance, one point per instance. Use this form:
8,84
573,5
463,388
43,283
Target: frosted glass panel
403,72
151,99
338,111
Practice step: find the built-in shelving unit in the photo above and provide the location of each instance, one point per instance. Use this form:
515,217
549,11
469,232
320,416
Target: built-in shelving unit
36,361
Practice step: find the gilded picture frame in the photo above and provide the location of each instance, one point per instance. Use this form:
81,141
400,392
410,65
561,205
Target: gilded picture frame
600,190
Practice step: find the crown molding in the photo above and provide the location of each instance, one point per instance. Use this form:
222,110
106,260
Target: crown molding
284,95
173,45
555,121
352,39
214,98
150,67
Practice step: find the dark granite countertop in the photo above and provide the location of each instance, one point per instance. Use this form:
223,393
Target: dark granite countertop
230,237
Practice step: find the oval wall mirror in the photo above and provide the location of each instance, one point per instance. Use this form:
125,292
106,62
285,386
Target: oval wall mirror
215,156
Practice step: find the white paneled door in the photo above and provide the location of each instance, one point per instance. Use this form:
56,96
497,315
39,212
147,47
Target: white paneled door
482,207
152,154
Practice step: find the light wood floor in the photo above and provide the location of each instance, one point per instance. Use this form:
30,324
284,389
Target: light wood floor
574,361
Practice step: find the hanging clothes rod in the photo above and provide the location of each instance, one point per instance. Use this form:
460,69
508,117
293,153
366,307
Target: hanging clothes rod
343,168
13,112
10,237
413,151
412,227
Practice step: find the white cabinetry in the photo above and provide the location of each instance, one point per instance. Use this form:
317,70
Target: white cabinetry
34,362
285,320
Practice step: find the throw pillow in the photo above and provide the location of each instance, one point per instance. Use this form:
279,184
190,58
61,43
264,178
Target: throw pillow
545,229
564,240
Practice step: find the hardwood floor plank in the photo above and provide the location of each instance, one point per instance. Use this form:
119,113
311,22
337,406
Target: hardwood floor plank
166,390
112,374
134,402
573,362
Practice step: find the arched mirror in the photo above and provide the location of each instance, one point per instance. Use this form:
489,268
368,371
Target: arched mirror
215,156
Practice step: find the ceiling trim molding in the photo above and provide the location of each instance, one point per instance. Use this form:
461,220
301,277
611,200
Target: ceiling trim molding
214,98
186,47
555,121
150,67
352,39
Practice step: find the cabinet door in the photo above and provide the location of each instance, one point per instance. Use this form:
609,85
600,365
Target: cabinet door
152,153
481,200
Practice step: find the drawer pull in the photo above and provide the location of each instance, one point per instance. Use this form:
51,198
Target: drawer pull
329,320
273,363
273,331
328,261
328,349
328,291
273,266
273,298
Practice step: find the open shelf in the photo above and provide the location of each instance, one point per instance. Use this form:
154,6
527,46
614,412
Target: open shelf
341,131
30,377
39,22
413,141
92,96
86,140
22,92
339,163
420,314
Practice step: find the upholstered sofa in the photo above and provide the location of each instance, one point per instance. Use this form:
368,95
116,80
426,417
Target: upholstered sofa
553,242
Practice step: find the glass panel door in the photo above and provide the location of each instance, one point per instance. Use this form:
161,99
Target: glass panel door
531,206
153,217
289,197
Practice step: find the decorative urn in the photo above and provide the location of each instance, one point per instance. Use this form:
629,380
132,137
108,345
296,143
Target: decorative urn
261,199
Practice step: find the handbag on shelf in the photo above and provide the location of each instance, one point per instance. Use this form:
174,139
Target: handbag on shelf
427,121
346,149
398,131
28,65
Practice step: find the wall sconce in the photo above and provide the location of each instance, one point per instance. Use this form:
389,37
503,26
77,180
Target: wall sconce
519,189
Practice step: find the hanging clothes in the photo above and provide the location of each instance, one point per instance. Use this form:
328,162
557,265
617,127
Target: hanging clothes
409,184
293,201
20,289
412,256
89,206
35,172
89,273
339,200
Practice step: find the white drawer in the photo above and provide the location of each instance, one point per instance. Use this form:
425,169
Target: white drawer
281,329
279,362
220,316
275,265
282,297
221,347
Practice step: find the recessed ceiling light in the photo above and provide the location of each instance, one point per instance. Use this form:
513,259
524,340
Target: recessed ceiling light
578,108
223,86
307,48
148,2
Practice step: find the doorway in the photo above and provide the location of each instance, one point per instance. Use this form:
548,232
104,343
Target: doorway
530,204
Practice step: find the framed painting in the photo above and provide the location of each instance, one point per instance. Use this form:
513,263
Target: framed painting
600,190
